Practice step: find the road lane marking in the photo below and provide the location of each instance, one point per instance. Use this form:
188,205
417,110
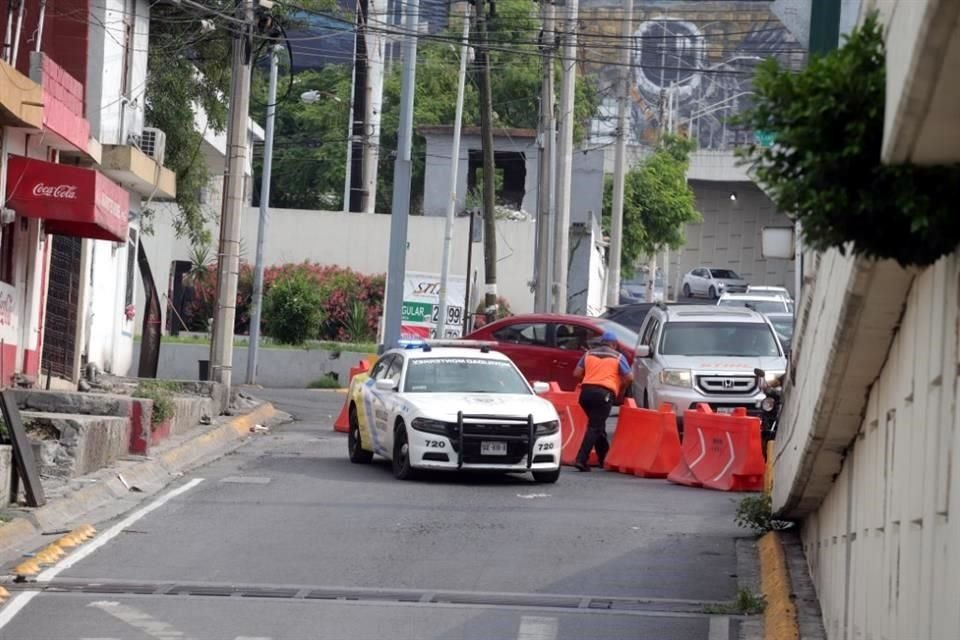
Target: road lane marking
12,608
140,620
114,531
538,628
719,628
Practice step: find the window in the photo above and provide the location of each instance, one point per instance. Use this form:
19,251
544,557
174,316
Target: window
7,233
623,334
700,273
525,333
572,337
649,332
724,274
393,371
731,339
763,306
380,368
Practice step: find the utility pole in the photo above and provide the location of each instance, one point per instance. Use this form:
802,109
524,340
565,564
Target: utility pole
402,173
257,304
374,39
565,158
619,167
489,192
228,263
358,109
454,171
547,144
348,177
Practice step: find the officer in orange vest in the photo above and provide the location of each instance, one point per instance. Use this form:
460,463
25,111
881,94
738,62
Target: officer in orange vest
603,372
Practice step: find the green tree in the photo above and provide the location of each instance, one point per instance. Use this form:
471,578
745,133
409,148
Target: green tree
825,167
310,153
186,67
657,202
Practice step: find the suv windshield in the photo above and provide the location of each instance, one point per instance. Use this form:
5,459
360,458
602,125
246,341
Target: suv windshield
463,375
763,306
751,340
624,335
724,274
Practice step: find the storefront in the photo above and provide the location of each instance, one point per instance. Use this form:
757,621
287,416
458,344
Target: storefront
57,206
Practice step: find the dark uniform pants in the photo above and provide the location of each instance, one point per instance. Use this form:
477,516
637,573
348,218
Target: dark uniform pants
597,403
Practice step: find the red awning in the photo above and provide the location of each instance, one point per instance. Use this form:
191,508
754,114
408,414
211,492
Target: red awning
71,201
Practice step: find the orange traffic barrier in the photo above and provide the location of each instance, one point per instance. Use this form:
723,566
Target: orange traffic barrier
720,451
573,423
342,423
645,443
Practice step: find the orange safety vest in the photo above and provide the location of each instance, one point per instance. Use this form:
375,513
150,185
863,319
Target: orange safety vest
601,368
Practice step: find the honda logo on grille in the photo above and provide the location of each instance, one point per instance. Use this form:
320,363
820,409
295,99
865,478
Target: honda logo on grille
727,383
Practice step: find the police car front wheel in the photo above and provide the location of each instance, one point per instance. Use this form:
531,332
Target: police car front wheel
401,455
358,455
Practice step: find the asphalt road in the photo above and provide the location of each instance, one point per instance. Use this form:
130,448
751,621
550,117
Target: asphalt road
285,539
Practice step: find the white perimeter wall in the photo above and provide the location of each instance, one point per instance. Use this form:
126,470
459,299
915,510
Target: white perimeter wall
884,545
360,242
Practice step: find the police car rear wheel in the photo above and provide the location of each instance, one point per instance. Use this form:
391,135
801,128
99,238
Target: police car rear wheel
401,455
358,455
546,477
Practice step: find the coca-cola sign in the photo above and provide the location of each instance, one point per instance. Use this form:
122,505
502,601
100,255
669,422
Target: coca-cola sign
58,191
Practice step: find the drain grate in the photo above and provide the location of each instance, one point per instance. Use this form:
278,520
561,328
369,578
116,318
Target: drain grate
648,606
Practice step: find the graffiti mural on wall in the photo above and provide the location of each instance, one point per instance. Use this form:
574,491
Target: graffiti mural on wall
692,66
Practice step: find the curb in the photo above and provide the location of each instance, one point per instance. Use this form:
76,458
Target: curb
155,473
780,615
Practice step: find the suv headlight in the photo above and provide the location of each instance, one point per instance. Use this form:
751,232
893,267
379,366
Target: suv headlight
547,428
675,377
772,376
426,425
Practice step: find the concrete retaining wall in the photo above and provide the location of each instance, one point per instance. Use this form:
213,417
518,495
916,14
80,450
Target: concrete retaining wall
188,411
73,444
279,368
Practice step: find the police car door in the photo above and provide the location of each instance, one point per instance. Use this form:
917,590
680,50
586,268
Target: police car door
385,403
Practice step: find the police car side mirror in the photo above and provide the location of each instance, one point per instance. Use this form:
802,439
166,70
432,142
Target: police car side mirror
386,384
541,388
643,351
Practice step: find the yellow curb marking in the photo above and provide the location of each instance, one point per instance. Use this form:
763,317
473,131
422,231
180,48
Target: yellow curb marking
27,568
4,594
780,614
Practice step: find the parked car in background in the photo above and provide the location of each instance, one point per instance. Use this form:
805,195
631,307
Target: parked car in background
705,354
761,303
632,316
635,289
547,347
765,290
711,282
783,325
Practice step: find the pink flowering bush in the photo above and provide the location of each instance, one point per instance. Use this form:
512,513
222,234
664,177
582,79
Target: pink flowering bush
350,302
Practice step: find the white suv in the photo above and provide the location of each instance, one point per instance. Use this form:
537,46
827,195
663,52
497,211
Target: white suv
692,354
764,303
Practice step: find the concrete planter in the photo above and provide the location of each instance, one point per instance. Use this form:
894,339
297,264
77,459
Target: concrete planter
278,368
160,432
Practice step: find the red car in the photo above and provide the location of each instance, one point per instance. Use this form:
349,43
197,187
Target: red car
546,347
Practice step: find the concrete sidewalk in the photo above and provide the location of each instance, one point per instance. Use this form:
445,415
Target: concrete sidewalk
117,488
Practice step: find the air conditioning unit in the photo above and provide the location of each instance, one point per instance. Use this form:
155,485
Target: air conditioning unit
153,142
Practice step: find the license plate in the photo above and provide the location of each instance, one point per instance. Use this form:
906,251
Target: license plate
493,448
725,410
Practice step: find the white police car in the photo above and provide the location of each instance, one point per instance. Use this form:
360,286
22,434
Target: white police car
433,405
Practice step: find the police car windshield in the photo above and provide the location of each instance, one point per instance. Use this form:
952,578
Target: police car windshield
750,340
463,375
